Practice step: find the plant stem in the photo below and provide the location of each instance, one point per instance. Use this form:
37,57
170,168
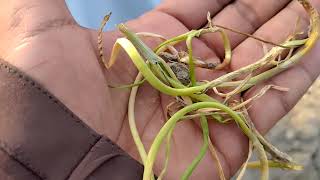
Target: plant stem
217,161
168,147
132,122
204,148
178,115
191,63
162,47
276,164
245,164
143,49
128,85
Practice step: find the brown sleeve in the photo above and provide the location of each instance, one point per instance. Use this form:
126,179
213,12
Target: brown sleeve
41,139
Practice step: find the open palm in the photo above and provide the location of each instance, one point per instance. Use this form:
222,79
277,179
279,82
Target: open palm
46,43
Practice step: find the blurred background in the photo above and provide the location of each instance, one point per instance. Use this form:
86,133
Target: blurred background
298,133
90,13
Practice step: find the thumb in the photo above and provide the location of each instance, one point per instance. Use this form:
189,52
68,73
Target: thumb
27,18
34,11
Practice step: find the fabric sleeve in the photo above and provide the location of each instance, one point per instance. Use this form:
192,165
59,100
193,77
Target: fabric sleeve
40,138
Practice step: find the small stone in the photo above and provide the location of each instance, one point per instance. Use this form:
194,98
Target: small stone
290,134
181,71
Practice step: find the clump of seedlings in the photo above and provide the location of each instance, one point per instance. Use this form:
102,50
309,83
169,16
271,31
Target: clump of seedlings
173,73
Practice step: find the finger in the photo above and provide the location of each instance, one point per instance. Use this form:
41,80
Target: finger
245,16
276,30
297,79
37,11
192,13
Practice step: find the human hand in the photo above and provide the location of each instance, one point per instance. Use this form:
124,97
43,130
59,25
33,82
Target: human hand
42,39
